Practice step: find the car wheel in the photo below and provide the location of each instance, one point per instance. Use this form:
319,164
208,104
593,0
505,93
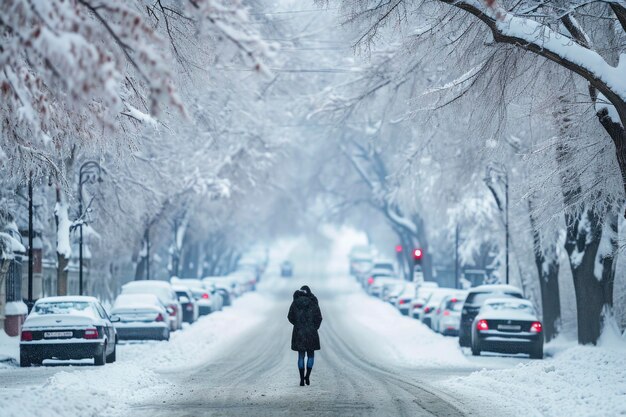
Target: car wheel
101,359
111,358
25,360
475,349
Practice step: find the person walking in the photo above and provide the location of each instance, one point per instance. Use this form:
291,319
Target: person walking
306,317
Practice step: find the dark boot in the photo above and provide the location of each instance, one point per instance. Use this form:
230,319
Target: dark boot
308,374
301,376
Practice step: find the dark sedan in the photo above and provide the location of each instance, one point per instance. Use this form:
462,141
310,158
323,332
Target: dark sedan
507,325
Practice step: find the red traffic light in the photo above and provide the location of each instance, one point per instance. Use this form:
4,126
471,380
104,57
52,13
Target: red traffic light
398,248
418,254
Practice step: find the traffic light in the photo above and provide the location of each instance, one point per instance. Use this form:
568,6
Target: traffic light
418,255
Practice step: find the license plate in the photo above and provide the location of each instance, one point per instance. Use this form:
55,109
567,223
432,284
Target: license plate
57,334
509,327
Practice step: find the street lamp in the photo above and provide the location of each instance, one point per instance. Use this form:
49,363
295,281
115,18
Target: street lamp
91,171
501,174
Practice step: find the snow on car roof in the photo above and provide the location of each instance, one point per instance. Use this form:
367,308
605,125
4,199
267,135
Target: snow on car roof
136,299
180,288
68,298
496,287
508,301
147,283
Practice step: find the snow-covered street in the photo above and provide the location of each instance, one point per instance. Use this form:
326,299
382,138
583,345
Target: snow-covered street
373,361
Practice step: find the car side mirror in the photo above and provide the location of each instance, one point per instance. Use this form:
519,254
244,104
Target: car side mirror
115,319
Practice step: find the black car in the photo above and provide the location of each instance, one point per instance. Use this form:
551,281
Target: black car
474,300
68,327
507,325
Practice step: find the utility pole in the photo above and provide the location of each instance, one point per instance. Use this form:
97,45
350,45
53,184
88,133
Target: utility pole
456,257
148,253
30,239
506,219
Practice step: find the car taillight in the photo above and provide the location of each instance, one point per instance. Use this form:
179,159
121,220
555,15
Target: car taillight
402,302
174,310
446,312
370,280
205,296
453,300
536,327
482,325
90,334
26,336
159,317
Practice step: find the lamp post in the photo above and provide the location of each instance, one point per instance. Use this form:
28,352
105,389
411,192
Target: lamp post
91,171
501,174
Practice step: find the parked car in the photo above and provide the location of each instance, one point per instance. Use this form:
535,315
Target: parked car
205,295
225,285
368,280
141,317
403,302
376,287
166,294
432,302
286,269
188,303
391,290
68,327
422,292
384,265
474,300
447,317
507,325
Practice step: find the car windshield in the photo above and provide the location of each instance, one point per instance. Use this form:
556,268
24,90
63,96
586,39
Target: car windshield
477,298
181,294
64,307
454,305
509,306
384,266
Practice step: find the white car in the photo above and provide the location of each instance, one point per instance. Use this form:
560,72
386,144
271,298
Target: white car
225,285
391,290
404,299
376,288
208,300
422,292
166,294
68,327
141,317
189,304
447,317
431,304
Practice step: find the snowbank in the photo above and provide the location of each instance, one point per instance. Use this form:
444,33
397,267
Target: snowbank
9,347
393,338
578,381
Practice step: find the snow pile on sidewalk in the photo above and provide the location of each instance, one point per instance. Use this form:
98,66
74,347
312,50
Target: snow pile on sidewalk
579,381
394,338
9,348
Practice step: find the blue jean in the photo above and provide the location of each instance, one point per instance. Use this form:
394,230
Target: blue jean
309,361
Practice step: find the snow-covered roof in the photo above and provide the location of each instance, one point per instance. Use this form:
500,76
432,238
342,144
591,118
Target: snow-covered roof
147,283
126,300
496,288
509,300
68,298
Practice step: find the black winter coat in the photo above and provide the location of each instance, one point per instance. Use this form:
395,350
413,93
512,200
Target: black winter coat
306,317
